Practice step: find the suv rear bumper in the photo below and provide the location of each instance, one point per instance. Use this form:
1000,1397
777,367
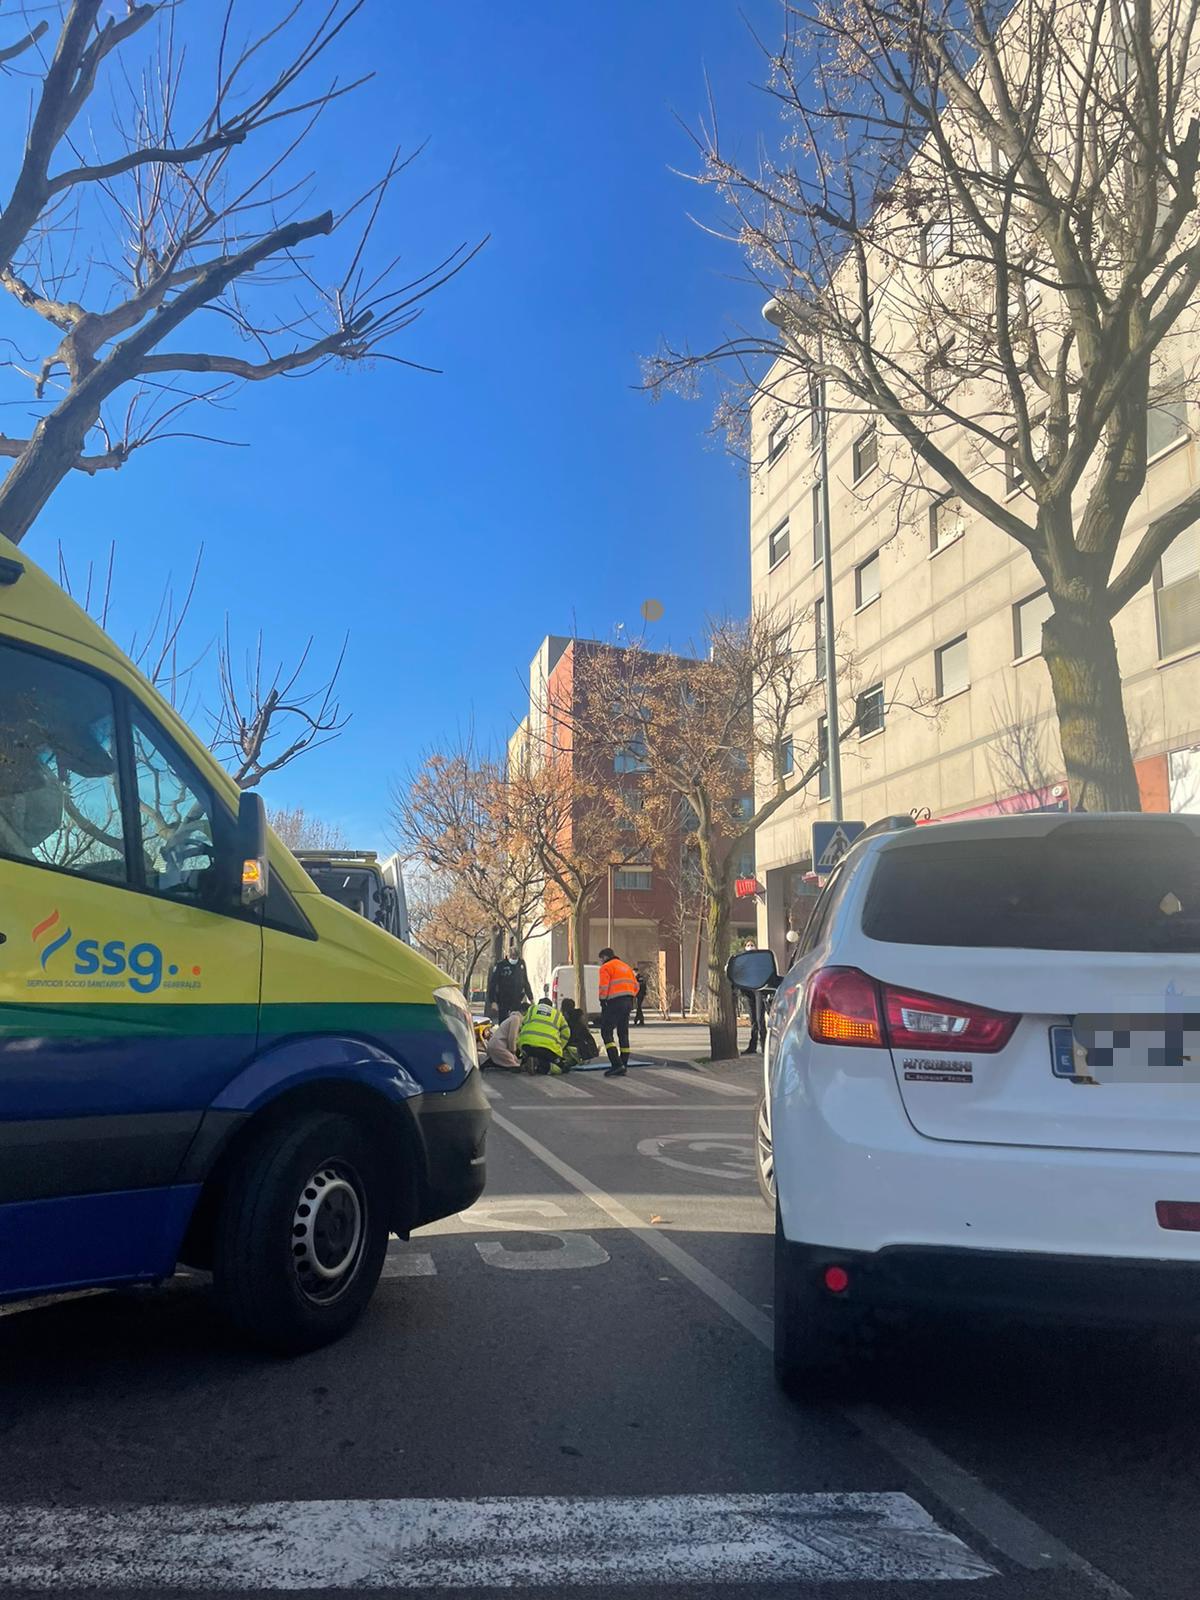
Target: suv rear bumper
452,1131
1100,1291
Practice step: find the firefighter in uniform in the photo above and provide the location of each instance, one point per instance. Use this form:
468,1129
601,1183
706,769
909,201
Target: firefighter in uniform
618,992
543,1036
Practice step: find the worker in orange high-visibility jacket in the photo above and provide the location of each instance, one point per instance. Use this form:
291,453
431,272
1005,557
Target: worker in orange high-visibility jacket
618,992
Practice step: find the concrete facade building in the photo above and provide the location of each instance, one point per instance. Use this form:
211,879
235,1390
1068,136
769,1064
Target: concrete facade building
940,617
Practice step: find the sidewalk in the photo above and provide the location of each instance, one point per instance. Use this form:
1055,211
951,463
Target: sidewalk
679,1041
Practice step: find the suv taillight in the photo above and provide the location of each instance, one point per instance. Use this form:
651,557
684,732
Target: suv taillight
930,1023
845,1006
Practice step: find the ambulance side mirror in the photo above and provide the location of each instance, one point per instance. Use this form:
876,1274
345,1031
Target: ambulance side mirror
254,868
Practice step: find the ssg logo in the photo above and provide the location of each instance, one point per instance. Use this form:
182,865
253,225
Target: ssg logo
141,965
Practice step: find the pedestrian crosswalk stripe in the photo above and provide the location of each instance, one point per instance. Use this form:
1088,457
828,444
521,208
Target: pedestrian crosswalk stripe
702,1080
640,1090
557,1089
496,1543
491,1091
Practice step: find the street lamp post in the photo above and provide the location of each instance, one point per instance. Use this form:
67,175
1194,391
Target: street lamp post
775,313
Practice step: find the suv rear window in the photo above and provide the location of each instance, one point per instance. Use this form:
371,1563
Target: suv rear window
1104,886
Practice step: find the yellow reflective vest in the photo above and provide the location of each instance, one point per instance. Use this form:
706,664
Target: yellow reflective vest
544,1028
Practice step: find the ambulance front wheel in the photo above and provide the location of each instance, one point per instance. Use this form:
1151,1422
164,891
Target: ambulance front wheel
301,1234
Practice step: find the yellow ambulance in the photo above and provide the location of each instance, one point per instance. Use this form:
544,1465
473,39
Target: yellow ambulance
202,1059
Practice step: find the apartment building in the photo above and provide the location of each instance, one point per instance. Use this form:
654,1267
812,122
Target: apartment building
940,614
656,914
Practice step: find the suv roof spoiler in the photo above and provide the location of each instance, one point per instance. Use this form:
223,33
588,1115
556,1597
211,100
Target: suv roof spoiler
886,825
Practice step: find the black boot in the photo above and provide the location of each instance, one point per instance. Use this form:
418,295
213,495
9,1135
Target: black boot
614,1068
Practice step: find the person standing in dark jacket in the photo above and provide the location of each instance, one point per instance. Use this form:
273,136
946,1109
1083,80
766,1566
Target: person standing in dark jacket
508,986
643,985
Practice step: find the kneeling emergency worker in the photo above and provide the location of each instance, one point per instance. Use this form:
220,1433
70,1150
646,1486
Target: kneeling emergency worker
542,1038
618,992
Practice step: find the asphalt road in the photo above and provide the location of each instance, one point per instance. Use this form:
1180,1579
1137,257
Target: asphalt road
567,1390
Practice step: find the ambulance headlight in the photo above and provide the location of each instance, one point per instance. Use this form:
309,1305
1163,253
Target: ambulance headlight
458,1022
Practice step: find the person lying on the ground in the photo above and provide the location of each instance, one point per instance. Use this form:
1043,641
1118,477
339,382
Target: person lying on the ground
502,1044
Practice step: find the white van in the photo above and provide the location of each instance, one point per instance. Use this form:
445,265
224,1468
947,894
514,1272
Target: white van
562,987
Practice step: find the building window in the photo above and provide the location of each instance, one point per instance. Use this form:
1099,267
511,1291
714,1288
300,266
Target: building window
950,668
1028,616
1014,473
778,544
866,581
823,758
866,451
819,633
935,240
816,409
632,878
818,530
1177,593
631,757
870,711
777,440
1166,418
743,862
945,522
785,758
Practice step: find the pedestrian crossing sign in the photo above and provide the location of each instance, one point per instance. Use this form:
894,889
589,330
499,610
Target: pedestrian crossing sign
831,840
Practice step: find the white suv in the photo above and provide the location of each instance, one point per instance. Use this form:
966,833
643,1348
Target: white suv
983,1080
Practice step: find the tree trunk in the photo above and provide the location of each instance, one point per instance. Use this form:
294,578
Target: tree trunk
578,951
1081,652
722,1009
55,446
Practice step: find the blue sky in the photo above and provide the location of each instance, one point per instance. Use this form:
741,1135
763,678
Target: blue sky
449,522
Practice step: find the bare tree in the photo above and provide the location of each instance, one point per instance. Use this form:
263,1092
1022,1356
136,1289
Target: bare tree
716,731
301,829
564,801
264,718
116,240
980,228
449,925
267,717
450,814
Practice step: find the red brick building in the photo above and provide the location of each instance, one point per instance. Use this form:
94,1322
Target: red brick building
656,912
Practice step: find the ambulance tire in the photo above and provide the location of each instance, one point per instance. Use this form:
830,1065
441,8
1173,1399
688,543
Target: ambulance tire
301,1233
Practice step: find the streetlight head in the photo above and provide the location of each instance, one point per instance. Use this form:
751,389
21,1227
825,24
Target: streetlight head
774,313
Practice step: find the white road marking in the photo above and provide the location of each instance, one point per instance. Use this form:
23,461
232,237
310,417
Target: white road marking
574,1249
406,1263
1000,1524
498,1543
737,1162
558,1088
639,1090
491,1090
702,1080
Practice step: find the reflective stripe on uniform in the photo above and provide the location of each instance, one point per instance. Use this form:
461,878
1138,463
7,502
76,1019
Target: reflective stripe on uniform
617,978
544,1028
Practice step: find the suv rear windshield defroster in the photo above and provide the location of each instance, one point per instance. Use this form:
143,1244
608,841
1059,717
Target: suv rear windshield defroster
1085,886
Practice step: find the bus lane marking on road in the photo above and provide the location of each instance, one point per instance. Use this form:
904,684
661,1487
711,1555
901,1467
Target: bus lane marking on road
574,1249
733,1151
1008,1531
499,1543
